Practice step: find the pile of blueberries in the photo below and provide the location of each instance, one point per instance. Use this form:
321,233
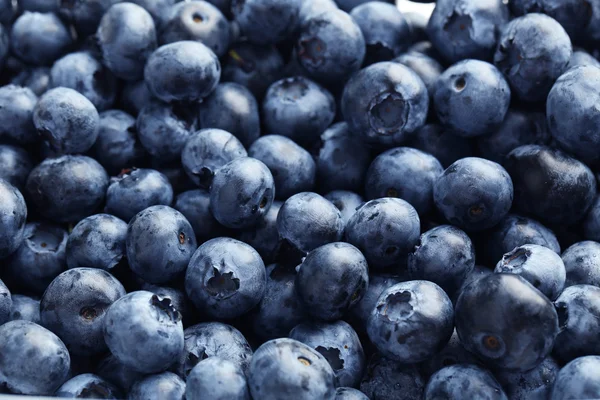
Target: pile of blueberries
300,199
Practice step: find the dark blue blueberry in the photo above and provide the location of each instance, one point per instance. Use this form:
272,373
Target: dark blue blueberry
388,379
441,143
36,79
360,313
572,117
539,265
385,230
144,331
199,21
84,15
160,242
135,96
195,206
39,259
178,299
347,393
385,103
568,189
16,112
426,67
579,379
15,165
6,304
135,190
111,369
288,366
453,353
591,223
265,22
185,71
264,237
33,360
208,150
474,193
461,29
39,38
331,280
127,36
533,51
405,173
233,108
478,272
581,58
218,379
340,346
164,386
158,9
311,8
506,322
582,262
241,193
25,308
307,220
444,255
13,215
534,384
225,278
66,120
88,386
462,382
330,46
471,98
345,201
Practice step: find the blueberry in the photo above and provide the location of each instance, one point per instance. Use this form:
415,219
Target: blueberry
426,67
506,322
311,8
591,222
307,220
569,186
531,64
35,79
347,393
15,165
66,120
7,11
84,16
539,265
112,370
463,381
582,262
288,366
387,379
208,150
385,103
144,331
340,346
25,308
160,242
13,215
233,108
178,299
6,304
135,96
265,22
534,384
579,379
40,258
349,5
164,386
345,201
158,9
330,46
461,29
184,71
264,237
126,36
385,230
215,378
225,278
88,386
581,58
16,112
441,143
453,353
195,206
478,272
39,38
33,360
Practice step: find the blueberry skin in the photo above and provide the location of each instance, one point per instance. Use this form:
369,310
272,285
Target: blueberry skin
265,22
532,65
208,150
579,379
569,186
360,313
13,215
185,71
445,255
16,110
582,263
163,129
158,9
40,258
15,165
160,242
523,328
471,98
39,38
426,67
135,96
286,367
34,361
126,36
292,167
385,230
264,237
307,220
233,108
535,384
144,331
8,11
345,201
346,393
35,79
195,206
405,173
461,29
85,16
539,265
88,385
388,379
178,300
112,370
6,303
280,308
215,378
591,222
330,46
349,5
340,346
581,58
213,340
463,381
25,308
453,353
66,120
4,45
225,278
164,386
473,193
572,118
441,143
380,87
311,8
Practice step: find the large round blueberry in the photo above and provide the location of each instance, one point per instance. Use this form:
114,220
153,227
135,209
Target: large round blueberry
389,379
15,165
579,379
6,303
16,112
164,386
195,206
463,381
264,237
13,215
534,384
88,386
266,22
582,262
25,308
216,378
